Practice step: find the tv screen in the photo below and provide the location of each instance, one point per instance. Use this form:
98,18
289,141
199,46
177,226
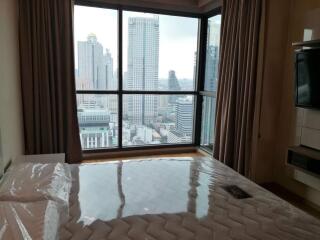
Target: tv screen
308,78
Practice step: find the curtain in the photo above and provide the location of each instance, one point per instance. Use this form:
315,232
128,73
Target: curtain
47,78
240,30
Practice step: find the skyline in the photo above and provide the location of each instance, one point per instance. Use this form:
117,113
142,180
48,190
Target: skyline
176,35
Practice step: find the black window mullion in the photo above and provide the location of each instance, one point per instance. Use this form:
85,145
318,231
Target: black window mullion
200,78
120,78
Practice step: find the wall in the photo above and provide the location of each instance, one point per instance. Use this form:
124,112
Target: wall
279,124
291,118
11,125
273,41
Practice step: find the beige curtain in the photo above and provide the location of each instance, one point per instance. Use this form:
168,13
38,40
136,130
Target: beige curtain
47,78
237,82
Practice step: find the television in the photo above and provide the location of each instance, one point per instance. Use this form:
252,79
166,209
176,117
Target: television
308,78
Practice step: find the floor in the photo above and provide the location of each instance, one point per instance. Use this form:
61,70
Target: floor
272,187
292,198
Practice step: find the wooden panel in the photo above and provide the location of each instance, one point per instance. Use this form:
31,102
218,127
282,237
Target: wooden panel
310,138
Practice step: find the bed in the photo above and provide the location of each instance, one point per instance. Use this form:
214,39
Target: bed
177,198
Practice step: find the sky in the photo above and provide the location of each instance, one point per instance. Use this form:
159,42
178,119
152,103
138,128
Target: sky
178,37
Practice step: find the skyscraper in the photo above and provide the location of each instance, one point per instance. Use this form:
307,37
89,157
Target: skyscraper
95,69
173,85
143,70
184,121
109,76
212,57
211,73
208,121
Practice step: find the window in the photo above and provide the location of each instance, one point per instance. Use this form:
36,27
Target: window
172,123
98,121
96,48
96,70
210,82
159,52
136,79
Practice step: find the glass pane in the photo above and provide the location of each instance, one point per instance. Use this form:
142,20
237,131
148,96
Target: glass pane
96,53
159,52
98,121
208,118
212,56
157,119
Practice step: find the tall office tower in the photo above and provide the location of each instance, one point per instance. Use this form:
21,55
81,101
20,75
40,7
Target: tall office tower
184,121
90,61
212,57
95,70
211,74
173,85
110,82
143,68
208,119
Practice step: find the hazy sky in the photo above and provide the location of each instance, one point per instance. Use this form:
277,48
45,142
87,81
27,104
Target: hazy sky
178,37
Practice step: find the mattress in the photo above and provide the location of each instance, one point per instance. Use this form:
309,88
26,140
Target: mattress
30,221
177,198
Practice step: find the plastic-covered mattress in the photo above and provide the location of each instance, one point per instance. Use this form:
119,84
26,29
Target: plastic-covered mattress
29,221
185,198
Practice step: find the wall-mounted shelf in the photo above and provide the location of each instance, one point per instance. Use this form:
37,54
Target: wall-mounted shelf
304,158
312,43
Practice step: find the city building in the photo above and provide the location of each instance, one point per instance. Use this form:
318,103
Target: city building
96,130
173,85
184,113
143,68
176,137
212,56
95,69
208,119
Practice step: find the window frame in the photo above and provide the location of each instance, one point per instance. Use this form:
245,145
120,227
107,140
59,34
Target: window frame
203,62
197,94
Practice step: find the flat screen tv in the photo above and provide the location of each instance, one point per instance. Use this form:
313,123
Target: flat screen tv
308,78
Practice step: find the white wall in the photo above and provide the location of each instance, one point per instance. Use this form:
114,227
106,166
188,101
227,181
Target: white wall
295,125
11,123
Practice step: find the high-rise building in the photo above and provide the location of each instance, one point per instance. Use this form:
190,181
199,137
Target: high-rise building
95,69
184,121
211,74
143,70
173,85
111,84
212,57
209,111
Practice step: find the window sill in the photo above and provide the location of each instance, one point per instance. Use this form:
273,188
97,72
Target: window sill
87,156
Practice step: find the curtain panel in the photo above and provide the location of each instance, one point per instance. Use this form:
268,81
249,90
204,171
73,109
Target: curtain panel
47,78
240,31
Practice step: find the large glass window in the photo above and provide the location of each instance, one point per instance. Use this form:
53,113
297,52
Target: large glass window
147,95
153,120
210,82
96,48
98,121
159,52
212,54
